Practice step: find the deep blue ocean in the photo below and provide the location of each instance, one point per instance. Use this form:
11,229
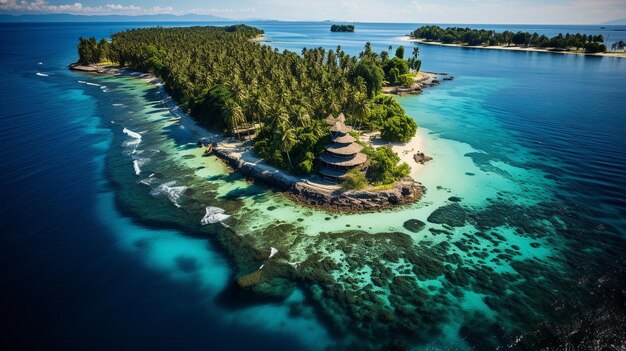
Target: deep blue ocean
72,282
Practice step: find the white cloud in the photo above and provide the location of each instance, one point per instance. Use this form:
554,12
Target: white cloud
413,11
42,6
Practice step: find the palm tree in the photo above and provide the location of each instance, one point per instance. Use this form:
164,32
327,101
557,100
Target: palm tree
416,52
235,117
360,108
258,106
287,135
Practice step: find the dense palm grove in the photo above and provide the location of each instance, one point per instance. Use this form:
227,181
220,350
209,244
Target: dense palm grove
228,82
458,35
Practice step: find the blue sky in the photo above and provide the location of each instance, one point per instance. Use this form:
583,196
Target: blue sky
435,11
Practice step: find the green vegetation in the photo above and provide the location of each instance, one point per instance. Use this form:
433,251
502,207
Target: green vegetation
398,129
355,180
384,166
618,46
396,67
342,28
228,82
477,37
91,51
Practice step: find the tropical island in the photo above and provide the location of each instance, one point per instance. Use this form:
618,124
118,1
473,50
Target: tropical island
508,40
254,94
342,28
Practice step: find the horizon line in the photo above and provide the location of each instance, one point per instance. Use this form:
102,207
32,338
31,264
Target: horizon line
225,19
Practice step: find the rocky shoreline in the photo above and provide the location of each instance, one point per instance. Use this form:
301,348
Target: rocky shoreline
308,191
421,81
114,70
319,195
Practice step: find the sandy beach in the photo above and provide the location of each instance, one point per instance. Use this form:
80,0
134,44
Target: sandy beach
406,151
515,48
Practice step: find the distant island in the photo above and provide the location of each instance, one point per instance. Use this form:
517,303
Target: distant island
342,28
231,83
507,40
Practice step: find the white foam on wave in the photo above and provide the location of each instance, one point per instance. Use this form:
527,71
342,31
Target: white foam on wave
131,143
141,160
40,63
42,74
170,190
148,181
89,83
134,142
136,167
273,251
213,215
119,105
131,134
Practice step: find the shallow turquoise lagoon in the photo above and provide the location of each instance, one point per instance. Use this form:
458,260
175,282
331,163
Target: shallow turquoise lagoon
107,225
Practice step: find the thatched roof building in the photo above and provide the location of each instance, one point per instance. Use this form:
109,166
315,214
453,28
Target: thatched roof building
330,120
343,154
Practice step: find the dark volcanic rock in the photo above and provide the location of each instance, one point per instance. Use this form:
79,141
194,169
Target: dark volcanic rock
421,158
453,215
414,225
454,199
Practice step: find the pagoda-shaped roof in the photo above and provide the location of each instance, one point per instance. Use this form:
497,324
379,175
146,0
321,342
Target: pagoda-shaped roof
343,138
333,173
339,127
358,159
331,120
344,149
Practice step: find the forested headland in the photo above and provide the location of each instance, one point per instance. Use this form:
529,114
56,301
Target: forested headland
484,37
227,81
342,28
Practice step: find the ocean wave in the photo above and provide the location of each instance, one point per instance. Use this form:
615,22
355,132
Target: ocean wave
213,215
142,161
148,181
135,139
89,83
136,167
40,63
132,143
131,134
170,190
119,105
42,74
